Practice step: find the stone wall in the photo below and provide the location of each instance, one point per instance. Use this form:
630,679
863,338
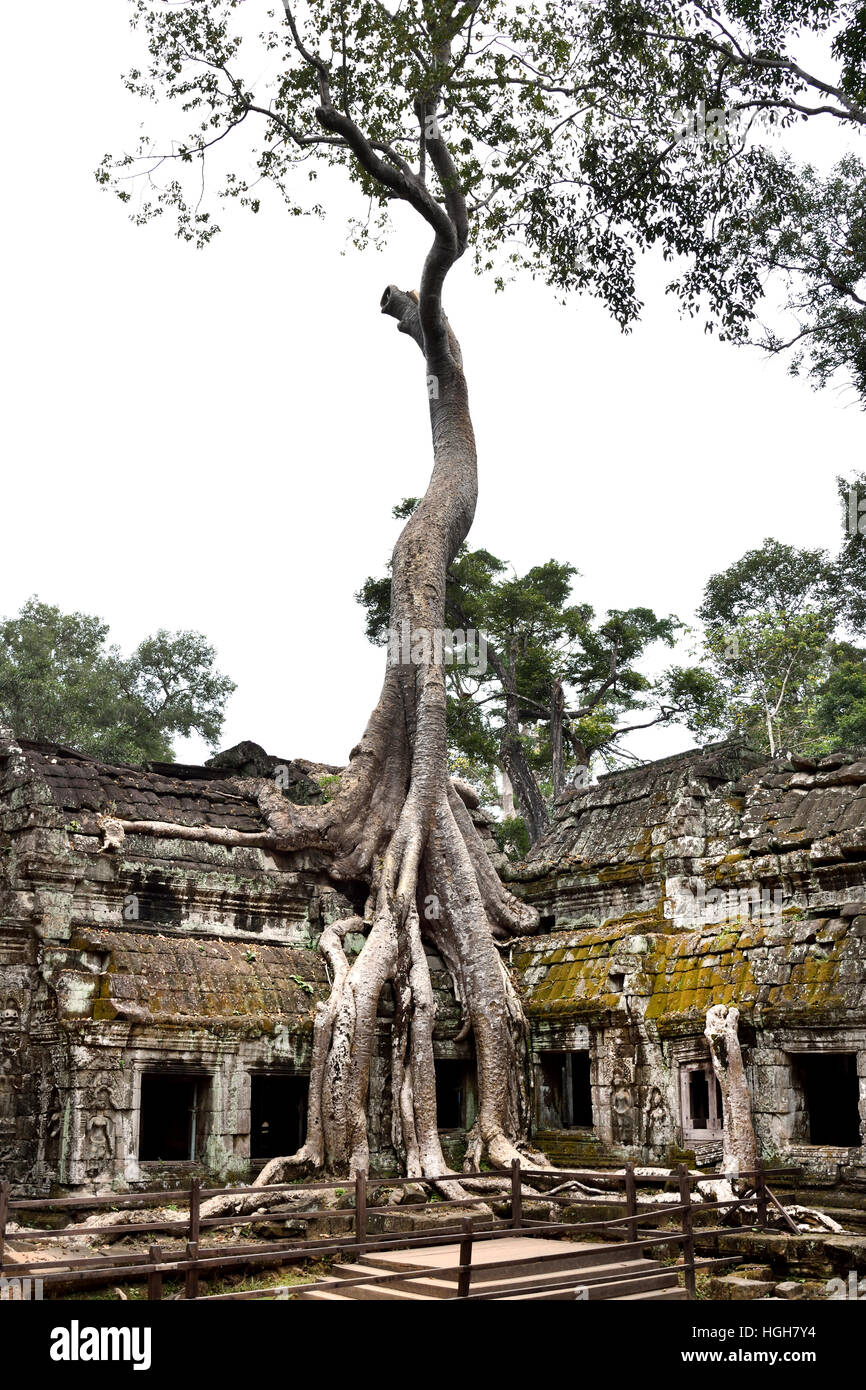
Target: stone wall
704,879
700,880
168,956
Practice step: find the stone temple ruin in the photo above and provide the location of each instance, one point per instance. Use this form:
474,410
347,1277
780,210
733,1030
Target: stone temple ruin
157,994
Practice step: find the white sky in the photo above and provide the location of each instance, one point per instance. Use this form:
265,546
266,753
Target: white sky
214,440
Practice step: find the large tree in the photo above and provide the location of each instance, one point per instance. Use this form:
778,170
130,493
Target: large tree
491,123
419,108
63,682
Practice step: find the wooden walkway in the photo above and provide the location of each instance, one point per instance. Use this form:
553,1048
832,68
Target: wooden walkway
514,1267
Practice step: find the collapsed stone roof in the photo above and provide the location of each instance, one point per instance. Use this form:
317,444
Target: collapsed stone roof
724,791
714,877
82,787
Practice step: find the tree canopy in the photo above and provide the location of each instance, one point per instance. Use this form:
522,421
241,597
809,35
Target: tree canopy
62,682
777,664
558,139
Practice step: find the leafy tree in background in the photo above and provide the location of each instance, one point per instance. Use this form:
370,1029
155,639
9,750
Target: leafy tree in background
682,150
770,626
840,715
558,681
61,682
852,556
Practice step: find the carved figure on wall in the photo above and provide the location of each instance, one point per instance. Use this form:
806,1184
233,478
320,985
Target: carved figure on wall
53,1129
9,1084
621,1108
658,1128
10,1014
100,1131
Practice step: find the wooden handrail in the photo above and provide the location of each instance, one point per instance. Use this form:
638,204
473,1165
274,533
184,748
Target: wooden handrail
196,1260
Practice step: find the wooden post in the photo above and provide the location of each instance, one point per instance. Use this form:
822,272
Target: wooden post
761,1192
631,1201
516,1194
154,1279
194,1210
360,1209
191,1286
4,1215
688,1231
191,1282
464,1278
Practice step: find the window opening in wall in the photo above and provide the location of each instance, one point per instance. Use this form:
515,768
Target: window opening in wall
565,1090
171,1115
701,1102
455,1093
278,1115
831,1091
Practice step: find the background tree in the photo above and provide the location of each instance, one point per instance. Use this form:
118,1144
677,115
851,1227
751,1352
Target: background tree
681,148
60,681
840,714
770,621
557,684
852,555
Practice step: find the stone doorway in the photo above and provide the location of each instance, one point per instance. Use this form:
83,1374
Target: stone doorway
830,1089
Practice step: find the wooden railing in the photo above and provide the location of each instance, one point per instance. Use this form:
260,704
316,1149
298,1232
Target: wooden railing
196,1260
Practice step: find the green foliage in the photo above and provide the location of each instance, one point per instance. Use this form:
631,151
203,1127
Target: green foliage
769,620
512,837
330,785
60,681
738,212
840,715
535,637
563,126
811,232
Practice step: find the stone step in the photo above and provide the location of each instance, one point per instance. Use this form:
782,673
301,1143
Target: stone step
648,1275
675,1294
573,1256
650,1285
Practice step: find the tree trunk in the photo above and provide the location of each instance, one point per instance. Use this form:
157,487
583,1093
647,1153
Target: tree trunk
512,754
398,823
529,799
739,1150
557,742
507,794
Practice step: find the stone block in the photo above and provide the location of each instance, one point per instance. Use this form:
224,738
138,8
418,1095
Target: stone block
732,1288
797,1289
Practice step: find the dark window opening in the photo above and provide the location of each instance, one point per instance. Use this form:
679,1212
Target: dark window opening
565,1091
171,1117
547,922
278,1115
701,1102
831,1092
617,980
455,1093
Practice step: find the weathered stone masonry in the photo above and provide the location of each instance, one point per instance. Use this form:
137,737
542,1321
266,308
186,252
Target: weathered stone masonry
170,960
706,879
156,1001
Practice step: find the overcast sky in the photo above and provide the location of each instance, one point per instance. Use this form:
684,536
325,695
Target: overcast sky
214,439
